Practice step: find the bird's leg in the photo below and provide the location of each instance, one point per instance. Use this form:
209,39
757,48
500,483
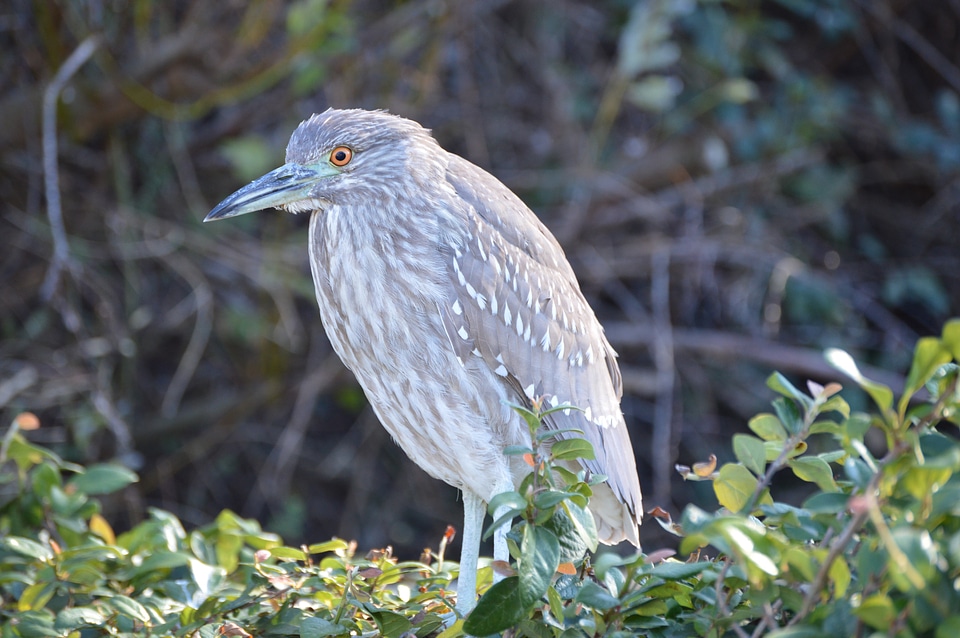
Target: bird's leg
473,511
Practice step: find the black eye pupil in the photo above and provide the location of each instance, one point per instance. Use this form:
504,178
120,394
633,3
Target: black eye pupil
341,156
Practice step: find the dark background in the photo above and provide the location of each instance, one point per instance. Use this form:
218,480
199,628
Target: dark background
739,184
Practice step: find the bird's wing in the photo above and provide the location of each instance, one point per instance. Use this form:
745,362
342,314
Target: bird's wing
515,302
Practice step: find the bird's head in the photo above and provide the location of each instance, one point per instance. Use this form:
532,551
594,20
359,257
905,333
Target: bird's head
343,157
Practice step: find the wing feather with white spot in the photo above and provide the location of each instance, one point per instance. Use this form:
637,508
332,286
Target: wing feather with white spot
524,314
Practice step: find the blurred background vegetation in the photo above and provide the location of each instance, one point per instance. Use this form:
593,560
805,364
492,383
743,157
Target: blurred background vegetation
738,184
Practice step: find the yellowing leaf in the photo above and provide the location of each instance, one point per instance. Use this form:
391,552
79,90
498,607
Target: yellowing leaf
877,611
768,427
734,486
840,577
100,527
705,468
27,421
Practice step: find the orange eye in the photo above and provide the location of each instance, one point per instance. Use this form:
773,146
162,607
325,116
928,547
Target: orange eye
341,156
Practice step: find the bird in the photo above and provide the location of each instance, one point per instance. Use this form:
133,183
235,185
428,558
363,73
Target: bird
450,301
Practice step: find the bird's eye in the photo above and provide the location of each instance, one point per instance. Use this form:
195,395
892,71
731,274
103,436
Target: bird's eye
341,156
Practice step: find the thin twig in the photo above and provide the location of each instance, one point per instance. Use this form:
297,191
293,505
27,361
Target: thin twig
51,172
909,36
202,327
722,600
663,354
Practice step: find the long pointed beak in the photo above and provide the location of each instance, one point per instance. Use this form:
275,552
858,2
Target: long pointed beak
285,185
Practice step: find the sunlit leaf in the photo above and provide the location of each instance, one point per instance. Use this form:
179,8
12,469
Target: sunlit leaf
333,545
583,522
572,449
750,451
104,478
839,574
100,527
842,361
876,611
767,427
928,355
814,470
76,617
951,338
734,486
129,607
781,385
27,547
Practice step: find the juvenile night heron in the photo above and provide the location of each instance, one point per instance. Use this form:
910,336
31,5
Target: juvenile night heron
448,299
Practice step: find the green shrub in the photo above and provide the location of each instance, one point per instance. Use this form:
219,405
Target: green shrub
875,548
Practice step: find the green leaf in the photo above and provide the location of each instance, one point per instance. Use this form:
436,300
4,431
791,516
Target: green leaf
734,486
842,361
514,503
333,545
36,596
839,573
767,426
836,404
556,603
288,553
922,558
779,384
801,561
534,420
572,545
749,451
390,624
511,500
827,503
656,608
498,609
573,449
549,498
27,547
129,607
583,522
814,470
796,632
596,597
104,478
858,472
539,559
675,570
789,414
877,611
951,338
316,627
950,628
928,355
751,545
36,623
773,449
75,617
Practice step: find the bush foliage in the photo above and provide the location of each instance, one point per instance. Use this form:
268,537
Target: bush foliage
874,548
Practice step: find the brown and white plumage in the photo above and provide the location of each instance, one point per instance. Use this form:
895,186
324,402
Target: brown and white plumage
448,299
